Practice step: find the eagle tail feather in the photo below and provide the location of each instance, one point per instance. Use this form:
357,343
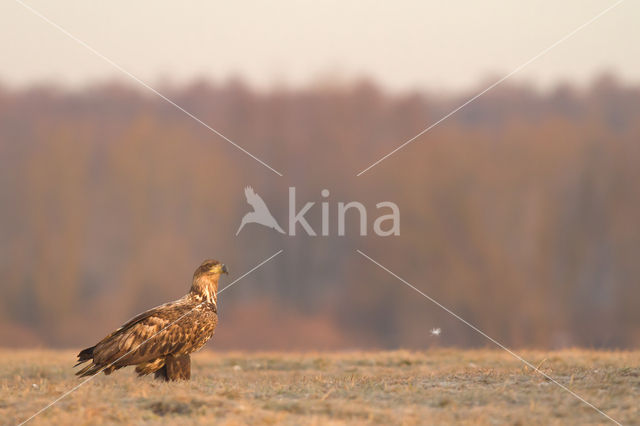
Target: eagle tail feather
89,370
85,355
92,369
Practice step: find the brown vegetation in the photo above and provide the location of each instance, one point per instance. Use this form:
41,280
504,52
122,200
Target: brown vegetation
402,387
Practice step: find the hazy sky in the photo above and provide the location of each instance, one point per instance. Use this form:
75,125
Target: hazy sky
437,45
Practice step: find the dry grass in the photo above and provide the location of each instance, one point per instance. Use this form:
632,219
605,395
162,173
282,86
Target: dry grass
438,386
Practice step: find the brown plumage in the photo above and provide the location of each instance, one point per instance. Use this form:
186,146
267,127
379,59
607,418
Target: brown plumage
160,340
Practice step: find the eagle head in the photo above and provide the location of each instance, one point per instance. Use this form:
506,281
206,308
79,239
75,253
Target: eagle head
205,279
210,268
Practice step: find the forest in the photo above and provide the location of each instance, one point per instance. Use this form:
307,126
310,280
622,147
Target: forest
519,213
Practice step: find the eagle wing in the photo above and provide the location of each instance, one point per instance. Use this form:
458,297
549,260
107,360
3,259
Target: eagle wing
156,333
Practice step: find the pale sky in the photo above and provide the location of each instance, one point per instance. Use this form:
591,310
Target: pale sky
433,45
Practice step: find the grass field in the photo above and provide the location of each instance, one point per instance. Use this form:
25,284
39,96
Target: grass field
438,386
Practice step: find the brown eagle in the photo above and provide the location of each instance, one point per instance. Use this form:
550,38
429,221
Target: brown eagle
160,340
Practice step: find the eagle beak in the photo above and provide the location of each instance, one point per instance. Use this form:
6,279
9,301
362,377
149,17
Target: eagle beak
224,269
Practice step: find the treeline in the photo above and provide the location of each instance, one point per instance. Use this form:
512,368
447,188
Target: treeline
520,213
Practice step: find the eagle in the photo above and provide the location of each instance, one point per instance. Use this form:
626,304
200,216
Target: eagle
160,340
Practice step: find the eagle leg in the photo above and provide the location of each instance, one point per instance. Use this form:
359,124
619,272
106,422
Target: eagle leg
161,374
175,368
178,368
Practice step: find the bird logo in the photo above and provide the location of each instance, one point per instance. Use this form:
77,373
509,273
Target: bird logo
260,213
